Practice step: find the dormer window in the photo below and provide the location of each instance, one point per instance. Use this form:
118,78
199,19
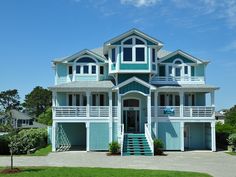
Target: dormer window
134,50
86,65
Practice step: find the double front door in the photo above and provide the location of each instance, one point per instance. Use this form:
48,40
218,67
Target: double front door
131,120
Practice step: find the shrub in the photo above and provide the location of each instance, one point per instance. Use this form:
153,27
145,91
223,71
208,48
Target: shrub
232,139
158,147
5,128
114,147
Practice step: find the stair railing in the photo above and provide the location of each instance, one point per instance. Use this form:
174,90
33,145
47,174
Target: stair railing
122,139
149,139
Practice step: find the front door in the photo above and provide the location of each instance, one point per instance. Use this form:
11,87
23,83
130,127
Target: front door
131,121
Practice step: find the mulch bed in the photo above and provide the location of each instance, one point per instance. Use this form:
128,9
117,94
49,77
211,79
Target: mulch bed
109,154
10,171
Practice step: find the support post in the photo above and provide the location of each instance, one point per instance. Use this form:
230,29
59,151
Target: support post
181,97
87,136
156,113
182,135
213,137
119,116
110,116
54,124
149,116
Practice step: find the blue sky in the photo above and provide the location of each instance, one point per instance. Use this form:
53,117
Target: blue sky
34,32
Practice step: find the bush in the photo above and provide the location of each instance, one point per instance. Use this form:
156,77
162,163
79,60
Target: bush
114,147
4,141
158,147
5,128
232,139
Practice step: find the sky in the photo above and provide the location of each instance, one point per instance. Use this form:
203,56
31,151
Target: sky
34,32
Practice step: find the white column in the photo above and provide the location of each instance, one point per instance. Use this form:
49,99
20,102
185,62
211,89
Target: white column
54,124
213,137
181,97
182,136
156,113
87,136
74,71
119,116
149,116
88,103
110,116
213,98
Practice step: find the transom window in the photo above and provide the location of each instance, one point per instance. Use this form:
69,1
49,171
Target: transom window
131,103
134,50
86,65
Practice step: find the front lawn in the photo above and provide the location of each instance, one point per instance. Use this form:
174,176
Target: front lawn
43,151
98,172
231,153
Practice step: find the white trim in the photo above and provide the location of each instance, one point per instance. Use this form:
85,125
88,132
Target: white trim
87,136
134,91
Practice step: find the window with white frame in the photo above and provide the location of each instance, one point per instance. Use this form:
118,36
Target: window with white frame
178,68
86,65
113,55
134,50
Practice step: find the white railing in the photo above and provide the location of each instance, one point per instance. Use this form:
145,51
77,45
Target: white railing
162,111
198,111
114,111
99,111
122,139
179,79
149,139
70,111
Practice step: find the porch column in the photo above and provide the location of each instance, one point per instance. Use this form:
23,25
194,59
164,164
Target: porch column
182,136
74,71
88,93
212,98
156,113
87,136
149,112
54,124
213,137
119,116
110,116
54,103
181,97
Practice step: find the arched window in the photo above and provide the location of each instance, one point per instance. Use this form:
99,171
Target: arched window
131,103
86,65
178,62
134,50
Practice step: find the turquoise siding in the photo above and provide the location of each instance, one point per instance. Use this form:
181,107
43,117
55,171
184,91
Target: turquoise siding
200,70
134,86
171,59
200,99
105,75
61,99
99,136
124,77
113,66
169,133
114,131
76,133
197,135
61,73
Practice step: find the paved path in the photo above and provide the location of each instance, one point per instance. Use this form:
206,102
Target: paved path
217,164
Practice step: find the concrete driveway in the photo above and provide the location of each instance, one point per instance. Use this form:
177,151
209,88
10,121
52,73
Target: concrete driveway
217,164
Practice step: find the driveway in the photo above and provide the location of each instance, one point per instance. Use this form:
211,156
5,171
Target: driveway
217,164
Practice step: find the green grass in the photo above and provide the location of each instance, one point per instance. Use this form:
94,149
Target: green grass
43,151
99,172
231,153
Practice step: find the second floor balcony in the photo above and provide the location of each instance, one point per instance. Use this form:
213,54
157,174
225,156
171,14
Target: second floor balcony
178,80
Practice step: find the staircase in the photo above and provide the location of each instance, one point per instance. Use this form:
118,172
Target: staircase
62,141
136,144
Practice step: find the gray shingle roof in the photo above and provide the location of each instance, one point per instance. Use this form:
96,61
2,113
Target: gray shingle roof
84,84
99,51
162,53
186,86
20,115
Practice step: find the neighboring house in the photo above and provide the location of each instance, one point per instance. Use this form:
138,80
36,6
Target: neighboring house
132,91
21,120
220,115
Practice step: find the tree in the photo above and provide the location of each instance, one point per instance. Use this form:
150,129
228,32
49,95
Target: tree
37,101
230,116
14,147
9,99
46,117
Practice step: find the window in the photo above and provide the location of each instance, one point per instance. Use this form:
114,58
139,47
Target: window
84,100
153,55
138,41
177,100
70,100
78,69
177,71
170,100
101,70
94,100
162,100
131,103
113,55
129,41
140,54
70,70
192,70
102,100
127,54
185,69
178,62
77,100
94,69
86,69
86,60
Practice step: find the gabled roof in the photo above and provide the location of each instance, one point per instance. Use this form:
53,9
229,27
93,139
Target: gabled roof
78,54
134,79
184,54
134,31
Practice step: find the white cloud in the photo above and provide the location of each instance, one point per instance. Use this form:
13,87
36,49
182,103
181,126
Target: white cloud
140,3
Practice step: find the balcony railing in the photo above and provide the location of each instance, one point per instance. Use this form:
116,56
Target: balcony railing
81,111
188,111
178,80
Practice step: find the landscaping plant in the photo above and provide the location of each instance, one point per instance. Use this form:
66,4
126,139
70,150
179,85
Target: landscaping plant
114,147
158,147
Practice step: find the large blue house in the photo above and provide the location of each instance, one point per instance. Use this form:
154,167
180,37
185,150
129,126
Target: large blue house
132,91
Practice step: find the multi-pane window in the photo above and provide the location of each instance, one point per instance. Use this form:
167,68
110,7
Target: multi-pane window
78,69
86,69
113,55
140,54
127,54
94,69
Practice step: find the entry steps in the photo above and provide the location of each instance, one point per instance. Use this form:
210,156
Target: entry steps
136,144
